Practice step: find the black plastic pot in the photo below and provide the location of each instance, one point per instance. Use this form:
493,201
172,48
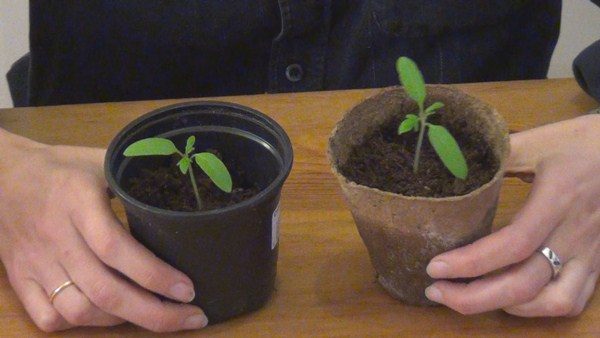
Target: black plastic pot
230,253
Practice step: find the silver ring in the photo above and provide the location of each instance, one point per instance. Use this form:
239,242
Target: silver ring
553,259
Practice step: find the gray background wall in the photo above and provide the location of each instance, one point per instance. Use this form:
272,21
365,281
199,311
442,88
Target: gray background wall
581,27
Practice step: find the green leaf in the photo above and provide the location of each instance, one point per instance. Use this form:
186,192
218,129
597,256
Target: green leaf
215,169
413,116
412,79
184,164
408,124
435,106
189,146
151,146
448,150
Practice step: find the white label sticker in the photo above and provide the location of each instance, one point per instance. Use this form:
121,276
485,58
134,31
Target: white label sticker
275,226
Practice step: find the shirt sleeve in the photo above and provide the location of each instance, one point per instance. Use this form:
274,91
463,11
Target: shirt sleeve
587,70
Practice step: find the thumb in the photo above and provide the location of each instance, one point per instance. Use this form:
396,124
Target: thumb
94,155
530,147
525,155
91,158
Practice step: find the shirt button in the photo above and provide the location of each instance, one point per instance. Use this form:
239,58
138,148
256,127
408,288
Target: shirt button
294,72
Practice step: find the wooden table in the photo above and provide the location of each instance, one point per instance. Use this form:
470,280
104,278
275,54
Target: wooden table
325,282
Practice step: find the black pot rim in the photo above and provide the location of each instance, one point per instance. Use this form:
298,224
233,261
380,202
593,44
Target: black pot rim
277,182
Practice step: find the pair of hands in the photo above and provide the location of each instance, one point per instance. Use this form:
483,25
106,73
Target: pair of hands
57,225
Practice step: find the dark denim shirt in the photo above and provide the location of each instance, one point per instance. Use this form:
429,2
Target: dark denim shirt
106,50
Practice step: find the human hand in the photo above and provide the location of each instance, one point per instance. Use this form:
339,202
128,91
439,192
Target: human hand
562,212
56,225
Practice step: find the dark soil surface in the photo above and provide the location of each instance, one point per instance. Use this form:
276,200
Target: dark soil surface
167,188
385,161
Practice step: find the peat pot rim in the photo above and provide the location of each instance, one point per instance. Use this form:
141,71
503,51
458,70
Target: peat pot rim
499,173
243,112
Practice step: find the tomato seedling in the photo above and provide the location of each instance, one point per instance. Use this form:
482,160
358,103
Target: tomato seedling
210,164
440,138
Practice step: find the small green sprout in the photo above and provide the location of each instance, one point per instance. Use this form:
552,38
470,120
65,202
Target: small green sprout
440,138
209,163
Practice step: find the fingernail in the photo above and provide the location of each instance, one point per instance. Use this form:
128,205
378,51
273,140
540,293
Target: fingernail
433,294
195,322
438,269
183,292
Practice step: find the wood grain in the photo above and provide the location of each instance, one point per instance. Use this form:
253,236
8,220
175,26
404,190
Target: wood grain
325,283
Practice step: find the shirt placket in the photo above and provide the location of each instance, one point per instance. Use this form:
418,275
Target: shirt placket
297,61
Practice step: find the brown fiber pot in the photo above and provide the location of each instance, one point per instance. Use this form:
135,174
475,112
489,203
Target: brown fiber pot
403,233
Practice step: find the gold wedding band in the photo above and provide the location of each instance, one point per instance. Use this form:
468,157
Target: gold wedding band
59,289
